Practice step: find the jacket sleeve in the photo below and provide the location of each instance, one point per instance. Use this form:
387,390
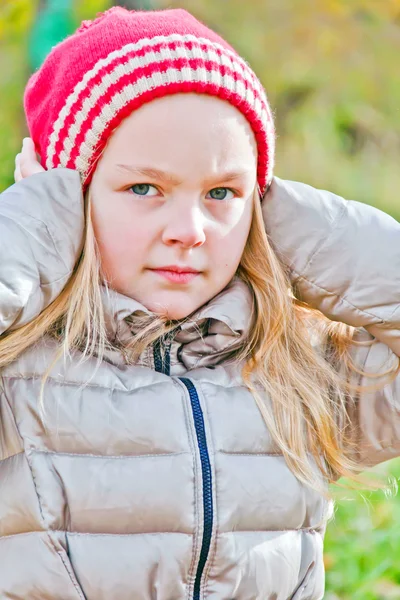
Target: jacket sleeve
343,258
41,234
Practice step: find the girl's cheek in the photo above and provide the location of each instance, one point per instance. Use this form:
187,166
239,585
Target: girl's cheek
233,213
135,239
236,224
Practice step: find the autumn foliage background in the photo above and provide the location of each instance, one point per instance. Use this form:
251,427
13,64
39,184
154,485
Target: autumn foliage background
331,69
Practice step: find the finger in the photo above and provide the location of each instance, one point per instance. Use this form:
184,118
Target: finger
17,170
29,164
28,148
28,153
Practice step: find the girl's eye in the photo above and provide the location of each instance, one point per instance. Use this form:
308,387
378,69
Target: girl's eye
142,189
221,193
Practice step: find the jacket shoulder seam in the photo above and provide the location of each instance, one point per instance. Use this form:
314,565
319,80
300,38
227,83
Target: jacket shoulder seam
326,240
341,298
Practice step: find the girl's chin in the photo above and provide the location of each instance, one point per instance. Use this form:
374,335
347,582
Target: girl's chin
174,310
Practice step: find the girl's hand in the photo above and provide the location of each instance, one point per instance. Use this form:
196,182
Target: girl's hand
26,162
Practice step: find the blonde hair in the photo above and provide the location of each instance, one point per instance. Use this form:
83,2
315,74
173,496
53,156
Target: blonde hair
307,414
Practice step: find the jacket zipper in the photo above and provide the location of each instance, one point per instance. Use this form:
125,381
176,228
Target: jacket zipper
164,367
207,482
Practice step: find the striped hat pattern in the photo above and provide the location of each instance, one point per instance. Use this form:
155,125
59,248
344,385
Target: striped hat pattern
111,66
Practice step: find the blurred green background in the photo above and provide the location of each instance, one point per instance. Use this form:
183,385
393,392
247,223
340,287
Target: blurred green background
331,69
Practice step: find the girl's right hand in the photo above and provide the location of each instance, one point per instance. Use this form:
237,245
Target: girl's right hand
26,162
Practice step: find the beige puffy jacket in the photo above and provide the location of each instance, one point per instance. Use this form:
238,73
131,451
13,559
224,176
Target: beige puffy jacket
146,484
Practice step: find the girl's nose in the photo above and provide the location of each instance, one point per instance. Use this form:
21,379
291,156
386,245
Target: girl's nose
185,227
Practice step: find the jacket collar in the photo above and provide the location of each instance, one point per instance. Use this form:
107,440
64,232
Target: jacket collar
214,331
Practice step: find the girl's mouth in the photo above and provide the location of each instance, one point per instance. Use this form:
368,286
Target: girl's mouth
177,274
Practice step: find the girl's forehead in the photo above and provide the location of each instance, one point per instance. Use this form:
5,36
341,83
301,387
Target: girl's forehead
181,127
184,112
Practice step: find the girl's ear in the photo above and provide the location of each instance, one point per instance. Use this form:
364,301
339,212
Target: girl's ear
26,162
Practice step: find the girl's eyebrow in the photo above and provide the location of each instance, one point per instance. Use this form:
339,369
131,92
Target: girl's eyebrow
154,173
150,172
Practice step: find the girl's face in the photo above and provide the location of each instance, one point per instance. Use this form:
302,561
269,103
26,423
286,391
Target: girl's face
173,191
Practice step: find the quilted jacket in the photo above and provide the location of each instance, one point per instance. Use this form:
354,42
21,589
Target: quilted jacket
160,480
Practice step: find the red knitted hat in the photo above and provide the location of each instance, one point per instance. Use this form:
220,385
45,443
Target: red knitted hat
111,66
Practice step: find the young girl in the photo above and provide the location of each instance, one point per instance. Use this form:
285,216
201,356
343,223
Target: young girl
187,343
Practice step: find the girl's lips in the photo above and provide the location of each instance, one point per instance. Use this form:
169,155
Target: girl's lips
175,277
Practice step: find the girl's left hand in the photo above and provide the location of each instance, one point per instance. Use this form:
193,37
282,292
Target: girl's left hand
26,162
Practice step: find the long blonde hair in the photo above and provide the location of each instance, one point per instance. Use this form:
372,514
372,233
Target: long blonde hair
307,413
